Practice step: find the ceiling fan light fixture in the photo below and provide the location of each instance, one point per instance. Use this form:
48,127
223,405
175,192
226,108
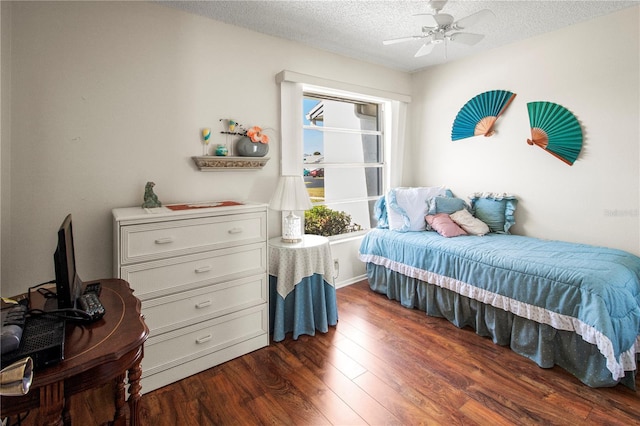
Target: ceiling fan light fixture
437,5
437,38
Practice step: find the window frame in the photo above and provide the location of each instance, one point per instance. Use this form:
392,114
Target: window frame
291,95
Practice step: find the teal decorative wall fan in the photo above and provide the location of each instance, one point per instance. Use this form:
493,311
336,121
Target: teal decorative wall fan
478,116
556,130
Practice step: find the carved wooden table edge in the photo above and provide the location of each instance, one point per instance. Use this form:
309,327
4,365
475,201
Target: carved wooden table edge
88,365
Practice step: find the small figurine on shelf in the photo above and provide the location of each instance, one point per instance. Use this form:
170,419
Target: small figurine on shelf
232,126
222,151
206,135
150,198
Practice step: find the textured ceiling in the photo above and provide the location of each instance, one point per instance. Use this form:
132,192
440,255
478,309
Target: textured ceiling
356,28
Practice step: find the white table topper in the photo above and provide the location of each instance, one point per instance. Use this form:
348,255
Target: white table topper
291,262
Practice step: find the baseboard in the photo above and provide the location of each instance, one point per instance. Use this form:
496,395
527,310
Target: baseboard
350,281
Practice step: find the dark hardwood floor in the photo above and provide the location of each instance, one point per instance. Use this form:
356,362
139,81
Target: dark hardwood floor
382,364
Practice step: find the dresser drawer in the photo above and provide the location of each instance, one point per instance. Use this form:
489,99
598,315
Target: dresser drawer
150,241
186,344
167,313
161,278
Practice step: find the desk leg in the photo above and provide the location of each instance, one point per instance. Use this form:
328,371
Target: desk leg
52,404
120,401
135,373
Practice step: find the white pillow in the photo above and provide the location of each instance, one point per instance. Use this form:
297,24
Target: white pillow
472,225
407,207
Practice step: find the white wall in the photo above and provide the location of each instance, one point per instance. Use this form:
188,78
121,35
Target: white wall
596,200
106,96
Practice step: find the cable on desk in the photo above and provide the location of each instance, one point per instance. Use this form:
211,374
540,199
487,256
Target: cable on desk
37,286
70,314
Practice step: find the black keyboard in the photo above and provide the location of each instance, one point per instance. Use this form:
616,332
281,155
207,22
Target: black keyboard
13,320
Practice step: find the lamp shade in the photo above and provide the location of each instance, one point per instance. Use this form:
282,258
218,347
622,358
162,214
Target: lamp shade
291,194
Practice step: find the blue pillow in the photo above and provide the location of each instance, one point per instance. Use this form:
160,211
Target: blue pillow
380,213
496,210
446,205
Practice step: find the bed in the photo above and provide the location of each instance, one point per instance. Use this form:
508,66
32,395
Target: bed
557,303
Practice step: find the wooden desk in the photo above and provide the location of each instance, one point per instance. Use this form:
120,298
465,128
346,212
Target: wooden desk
94,354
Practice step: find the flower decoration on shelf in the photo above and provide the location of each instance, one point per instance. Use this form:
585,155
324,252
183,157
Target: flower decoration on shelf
257,135
254,133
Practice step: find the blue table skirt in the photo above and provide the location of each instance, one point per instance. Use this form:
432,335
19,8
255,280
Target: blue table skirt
309,307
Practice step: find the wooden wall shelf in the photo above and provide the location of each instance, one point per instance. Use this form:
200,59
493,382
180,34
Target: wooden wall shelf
210,163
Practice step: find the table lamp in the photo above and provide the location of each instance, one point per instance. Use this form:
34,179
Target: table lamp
291,195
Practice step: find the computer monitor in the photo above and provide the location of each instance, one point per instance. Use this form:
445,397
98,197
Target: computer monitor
68,283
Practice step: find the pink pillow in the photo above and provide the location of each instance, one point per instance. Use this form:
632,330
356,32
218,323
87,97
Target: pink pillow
443,224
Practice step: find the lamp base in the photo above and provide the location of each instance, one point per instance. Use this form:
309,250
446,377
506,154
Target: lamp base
291,240
291,229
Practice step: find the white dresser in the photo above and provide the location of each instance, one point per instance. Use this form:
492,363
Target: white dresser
201,274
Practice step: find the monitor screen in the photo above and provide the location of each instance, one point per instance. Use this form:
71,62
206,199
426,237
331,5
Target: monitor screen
68,283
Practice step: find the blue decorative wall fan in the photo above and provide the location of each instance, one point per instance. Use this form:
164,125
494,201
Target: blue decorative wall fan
556,130
478,116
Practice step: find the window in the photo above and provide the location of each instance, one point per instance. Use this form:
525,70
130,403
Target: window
343,154
359,132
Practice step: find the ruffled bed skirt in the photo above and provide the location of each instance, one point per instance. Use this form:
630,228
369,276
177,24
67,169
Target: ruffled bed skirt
541,343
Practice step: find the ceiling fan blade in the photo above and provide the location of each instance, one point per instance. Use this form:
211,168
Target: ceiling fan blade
424,50
400,40
468,21
426,20
466,38
443,19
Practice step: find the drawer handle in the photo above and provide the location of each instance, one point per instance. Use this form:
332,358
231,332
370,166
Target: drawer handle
203,269
203,304
204,339
235,230
165,240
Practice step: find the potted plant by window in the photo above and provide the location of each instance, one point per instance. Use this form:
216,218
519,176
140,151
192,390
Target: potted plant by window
321,220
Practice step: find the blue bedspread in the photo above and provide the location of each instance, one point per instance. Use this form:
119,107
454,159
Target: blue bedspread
593,291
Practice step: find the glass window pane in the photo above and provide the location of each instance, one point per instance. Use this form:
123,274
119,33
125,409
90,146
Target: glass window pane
314,181
312,111
373,221
337,147
340,114
331,184
343,162
313,146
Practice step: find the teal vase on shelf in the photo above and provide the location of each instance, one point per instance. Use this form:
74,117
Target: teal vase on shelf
246,148
222,151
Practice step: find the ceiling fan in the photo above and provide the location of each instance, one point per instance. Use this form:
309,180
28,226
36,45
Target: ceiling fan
439,27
